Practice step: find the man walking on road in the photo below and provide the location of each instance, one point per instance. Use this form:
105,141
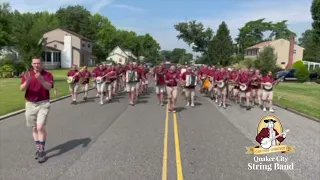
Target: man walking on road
37,84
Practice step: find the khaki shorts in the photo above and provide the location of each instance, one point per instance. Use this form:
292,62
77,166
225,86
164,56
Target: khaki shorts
37,113
101,87
172,92
85,87
131,86
256,92
235,92
160,89
222,91
115,83
73,87
109,86
244,94
267,95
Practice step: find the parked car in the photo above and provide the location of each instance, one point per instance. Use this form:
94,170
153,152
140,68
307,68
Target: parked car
289,75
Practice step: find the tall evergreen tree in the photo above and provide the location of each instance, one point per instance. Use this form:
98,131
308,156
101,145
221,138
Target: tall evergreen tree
221,48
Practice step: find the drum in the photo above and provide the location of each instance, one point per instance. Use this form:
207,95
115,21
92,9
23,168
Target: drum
268,86
99,80
243,87
206,84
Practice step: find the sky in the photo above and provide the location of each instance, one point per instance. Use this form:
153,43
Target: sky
158,17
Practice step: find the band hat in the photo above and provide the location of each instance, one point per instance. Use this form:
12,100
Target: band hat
269,120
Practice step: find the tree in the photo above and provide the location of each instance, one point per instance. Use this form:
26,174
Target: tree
266,60
221,48
5,25
194,34
312,45
306,38
76,19
253,32
28,31
315,12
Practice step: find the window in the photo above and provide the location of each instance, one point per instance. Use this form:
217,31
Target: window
89,45
48,57
294,51
120,60
83,45
55,46
283,62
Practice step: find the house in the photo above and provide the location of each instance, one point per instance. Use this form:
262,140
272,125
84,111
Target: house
120,55
9,51
63,48
287,51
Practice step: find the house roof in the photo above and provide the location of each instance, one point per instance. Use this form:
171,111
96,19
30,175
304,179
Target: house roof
73,33
51,48
260,45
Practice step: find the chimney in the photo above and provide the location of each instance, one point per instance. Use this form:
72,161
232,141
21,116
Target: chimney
291,49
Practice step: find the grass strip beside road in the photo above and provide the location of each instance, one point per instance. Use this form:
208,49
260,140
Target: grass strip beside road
301,97
12,99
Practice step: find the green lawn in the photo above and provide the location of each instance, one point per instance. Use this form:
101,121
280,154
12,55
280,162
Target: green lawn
304,97
12,98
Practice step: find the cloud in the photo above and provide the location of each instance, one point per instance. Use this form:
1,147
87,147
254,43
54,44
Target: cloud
97,7
130,8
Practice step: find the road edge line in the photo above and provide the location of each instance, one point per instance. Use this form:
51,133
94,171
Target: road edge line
177,148
14,113
165,147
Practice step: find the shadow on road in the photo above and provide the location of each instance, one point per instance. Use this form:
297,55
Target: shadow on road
87,101
142,101
179,109
197,104
67,146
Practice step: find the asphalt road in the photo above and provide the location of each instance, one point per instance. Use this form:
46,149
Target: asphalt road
119,142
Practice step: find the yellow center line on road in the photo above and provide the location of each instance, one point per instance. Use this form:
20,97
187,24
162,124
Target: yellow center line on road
165,148
177,148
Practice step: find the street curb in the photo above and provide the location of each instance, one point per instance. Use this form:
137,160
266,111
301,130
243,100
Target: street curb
23,110
298,113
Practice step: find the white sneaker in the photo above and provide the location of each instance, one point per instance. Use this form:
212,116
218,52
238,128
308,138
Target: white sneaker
216,100
101,102
264,109
271,110
192,105
188,104
224,106
220,104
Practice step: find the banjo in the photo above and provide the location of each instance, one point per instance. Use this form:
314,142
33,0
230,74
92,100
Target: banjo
269,86
266,142
243,87
99,79
70,79
220,84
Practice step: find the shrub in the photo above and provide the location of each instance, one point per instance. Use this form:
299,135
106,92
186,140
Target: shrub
6,71
318,81
298,64
302,74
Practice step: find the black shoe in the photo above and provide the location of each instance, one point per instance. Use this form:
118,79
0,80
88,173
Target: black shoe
42,157
36,156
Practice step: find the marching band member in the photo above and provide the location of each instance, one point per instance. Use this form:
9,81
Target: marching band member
267,95
232,79
85,78
109,81
142,78
37,84
146,81
246,93
131,82
256,87
73,86
189,88
93,75
220,77
172,78
115,80
159,79
100,76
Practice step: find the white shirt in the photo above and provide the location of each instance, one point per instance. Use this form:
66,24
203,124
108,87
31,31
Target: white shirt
272,135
